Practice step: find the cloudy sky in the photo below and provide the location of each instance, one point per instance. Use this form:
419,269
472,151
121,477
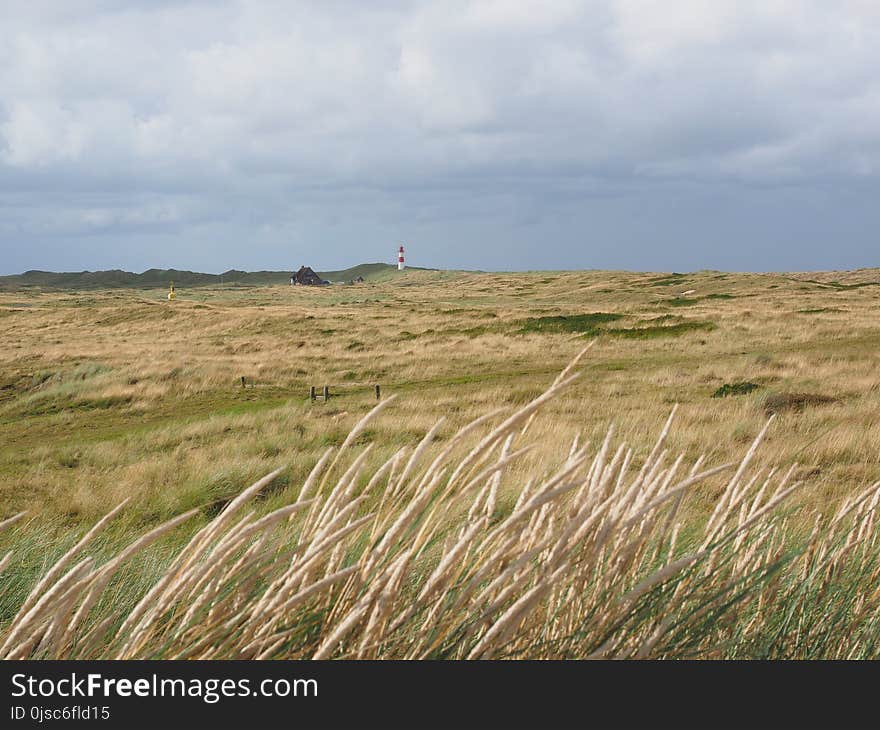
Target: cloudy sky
490,134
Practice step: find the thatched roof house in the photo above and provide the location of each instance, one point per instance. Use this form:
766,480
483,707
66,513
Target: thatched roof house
306,277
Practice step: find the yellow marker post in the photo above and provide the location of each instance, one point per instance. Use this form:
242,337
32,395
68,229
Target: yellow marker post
171,294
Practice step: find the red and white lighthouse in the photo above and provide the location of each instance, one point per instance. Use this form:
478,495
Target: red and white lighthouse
400,264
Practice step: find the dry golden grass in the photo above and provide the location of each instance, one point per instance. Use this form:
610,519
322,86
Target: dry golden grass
105,395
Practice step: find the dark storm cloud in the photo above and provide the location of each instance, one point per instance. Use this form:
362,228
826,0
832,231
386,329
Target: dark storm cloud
508,134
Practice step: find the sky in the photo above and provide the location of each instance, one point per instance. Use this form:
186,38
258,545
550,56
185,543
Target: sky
488,134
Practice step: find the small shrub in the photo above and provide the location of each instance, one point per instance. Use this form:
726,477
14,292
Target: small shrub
740,388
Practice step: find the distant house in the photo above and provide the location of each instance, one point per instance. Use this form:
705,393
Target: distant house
306,277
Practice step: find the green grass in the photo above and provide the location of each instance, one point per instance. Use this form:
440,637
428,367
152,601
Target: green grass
370,272
657,331
590,325
586,323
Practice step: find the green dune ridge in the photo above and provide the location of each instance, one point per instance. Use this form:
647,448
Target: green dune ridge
116,278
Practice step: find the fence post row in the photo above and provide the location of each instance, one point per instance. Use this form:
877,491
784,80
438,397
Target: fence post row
325,392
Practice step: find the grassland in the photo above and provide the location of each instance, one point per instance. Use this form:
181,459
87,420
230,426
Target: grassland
120,394
114,394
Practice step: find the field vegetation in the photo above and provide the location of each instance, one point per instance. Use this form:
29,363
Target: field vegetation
535,531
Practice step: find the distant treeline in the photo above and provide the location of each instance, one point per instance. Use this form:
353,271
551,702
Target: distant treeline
116,278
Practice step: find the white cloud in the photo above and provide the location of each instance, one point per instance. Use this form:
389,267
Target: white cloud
336,86
264,102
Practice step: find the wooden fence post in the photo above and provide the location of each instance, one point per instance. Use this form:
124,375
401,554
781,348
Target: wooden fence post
326,393
242,381
311,392
378,392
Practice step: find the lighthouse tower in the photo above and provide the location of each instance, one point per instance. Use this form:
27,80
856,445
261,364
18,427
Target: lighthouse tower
400,264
